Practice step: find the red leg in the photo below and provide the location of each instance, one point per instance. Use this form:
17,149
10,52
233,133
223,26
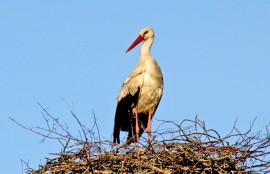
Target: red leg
137,125
148,129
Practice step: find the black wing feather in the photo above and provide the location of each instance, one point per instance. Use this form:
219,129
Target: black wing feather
124,119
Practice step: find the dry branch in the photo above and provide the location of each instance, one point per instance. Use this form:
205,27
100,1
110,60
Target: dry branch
187,147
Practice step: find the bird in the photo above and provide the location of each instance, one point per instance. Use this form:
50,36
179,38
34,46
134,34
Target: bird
140,93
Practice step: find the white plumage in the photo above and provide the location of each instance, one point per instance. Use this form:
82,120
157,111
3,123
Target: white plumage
140,94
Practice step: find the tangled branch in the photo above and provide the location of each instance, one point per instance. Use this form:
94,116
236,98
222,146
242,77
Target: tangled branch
186,147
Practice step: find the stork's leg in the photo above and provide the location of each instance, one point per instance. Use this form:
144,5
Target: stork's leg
137,125
148,129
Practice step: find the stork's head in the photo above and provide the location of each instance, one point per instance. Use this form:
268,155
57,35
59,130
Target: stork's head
145,34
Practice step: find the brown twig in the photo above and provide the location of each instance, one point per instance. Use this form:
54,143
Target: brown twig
187,147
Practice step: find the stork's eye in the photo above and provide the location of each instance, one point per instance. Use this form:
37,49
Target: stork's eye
145,32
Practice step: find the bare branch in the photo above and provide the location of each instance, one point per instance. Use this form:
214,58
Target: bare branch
185,147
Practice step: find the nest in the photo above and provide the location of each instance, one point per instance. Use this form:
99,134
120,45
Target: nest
166,158
187,147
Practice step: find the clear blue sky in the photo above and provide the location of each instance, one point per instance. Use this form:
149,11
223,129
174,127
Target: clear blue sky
214,55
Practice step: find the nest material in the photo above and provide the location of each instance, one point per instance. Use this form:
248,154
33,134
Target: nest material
185,147
156,158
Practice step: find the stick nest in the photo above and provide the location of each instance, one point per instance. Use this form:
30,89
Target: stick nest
164,158
185,147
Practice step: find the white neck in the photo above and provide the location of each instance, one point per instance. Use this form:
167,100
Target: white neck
146,46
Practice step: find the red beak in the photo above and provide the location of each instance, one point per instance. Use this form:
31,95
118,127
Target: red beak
136,42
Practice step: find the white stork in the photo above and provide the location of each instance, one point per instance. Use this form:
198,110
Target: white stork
140,94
